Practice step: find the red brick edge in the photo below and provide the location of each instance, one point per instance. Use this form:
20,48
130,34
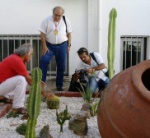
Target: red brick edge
69,94
4,109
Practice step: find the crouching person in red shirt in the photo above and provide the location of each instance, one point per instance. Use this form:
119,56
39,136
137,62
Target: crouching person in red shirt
14,77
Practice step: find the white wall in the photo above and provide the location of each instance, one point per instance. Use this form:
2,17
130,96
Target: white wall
89,20
132,19
25,16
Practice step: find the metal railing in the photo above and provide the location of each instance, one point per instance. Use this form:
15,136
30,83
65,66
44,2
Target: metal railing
10,42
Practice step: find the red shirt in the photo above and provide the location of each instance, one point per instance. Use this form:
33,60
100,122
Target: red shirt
12,66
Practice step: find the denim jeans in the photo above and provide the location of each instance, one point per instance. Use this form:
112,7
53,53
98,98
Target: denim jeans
93,84
59,51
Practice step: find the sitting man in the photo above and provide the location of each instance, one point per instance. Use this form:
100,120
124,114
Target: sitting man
91,66
14,77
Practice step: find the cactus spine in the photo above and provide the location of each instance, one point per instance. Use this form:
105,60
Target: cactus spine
53,102
111,42
34,102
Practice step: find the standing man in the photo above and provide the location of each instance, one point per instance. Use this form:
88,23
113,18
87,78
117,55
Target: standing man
56,40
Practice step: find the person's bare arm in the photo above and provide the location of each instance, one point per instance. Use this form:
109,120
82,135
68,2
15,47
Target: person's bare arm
96,68
69,41
29,79
44,46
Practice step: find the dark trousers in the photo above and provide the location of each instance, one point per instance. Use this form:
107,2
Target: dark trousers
59,51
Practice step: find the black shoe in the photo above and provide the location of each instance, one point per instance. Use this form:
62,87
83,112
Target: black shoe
59,89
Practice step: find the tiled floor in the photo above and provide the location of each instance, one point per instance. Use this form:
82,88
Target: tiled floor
51,84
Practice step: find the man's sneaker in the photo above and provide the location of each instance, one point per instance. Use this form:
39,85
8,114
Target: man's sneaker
59,89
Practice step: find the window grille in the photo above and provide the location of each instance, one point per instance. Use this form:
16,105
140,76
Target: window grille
134,50
10,42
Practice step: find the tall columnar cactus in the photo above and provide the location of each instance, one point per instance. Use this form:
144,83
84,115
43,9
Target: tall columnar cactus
34,102
111,42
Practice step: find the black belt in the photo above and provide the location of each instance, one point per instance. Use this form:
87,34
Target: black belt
56,44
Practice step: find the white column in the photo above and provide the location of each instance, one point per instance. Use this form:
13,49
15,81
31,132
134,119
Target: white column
99,25
92,25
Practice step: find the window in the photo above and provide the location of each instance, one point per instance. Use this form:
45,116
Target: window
10,42
134,50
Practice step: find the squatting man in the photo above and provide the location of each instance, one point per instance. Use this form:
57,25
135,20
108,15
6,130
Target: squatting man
15,77
90,72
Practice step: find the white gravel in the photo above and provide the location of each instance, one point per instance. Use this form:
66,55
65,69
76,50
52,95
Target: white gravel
48,117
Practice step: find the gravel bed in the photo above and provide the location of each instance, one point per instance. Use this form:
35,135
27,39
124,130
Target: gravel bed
48,117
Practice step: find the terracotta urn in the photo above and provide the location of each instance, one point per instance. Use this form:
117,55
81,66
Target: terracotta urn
124,108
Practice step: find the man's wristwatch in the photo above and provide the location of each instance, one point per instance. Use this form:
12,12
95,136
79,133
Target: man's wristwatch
69,45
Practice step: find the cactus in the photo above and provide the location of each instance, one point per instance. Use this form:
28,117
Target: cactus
12,114
53,102
21,129
61,115
61,120
111,42
34,102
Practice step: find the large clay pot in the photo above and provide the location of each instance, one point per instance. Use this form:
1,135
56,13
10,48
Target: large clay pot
124,108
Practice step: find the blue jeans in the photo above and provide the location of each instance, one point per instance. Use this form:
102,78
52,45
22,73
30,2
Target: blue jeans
59,51
93,84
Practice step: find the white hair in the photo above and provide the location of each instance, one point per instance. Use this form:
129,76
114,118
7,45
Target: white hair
23,49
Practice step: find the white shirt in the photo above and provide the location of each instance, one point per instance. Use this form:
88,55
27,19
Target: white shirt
98,74
48,27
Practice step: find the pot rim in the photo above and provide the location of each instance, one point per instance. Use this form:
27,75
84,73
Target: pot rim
137,73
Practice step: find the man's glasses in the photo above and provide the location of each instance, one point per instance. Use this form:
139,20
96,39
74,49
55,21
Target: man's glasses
56,15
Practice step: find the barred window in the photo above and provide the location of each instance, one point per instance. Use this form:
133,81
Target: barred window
134,50
10,42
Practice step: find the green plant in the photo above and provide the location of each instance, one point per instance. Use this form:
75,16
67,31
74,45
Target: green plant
111,42
93,108
61,120
61,115
86,95
21,129
34,102
12,114
53,102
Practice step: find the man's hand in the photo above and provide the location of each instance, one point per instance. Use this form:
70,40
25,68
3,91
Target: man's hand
91,70
68,49
75,76
46,94
44,50
43,84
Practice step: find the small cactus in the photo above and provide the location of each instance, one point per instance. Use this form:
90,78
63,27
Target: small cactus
61,119
61,115
21,129
53,102
12,114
